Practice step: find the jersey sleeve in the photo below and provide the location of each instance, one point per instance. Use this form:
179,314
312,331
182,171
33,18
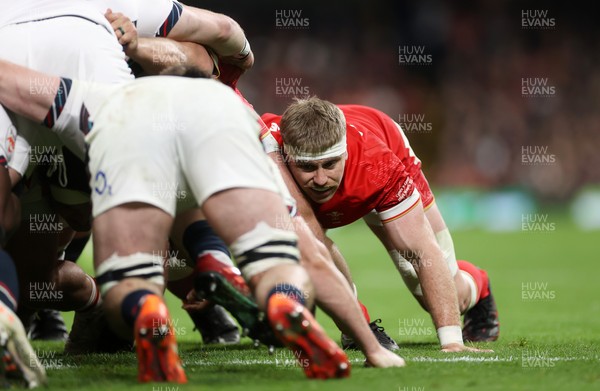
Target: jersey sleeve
399,194
8,137
270,136
19,161
71,115
156,18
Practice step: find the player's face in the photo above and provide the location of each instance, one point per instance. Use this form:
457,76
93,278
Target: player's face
319,179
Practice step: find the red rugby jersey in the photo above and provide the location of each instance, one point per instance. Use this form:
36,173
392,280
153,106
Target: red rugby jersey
378,171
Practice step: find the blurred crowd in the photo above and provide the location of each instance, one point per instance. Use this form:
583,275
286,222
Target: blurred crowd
477,123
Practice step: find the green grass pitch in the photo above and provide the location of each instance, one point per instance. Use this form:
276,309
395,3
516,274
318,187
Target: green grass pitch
546,288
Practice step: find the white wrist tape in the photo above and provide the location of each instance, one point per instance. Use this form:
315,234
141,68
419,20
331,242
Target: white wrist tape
450,334
245,50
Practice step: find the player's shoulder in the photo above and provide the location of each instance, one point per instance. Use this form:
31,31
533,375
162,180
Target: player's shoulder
271,136
270,118
361,112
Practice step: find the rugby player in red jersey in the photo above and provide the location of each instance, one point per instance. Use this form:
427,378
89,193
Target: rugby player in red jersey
353,162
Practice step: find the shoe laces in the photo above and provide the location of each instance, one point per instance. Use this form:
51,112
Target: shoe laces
375,327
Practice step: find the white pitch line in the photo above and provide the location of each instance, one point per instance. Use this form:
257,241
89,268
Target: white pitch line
497,359
408,360
288,362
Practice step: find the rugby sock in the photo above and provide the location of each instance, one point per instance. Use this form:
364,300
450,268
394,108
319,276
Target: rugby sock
288,290
485,289
9,284
364,311
132,304
212,254
478,276
199,237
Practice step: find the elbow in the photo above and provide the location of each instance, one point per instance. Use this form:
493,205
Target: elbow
227,30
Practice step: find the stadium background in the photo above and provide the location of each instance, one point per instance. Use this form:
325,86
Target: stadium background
474,127
515,176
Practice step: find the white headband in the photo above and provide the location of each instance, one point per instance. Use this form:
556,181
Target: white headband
335,150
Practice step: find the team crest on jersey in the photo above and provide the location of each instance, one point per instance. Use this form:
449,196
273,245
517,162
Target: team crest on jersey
11,139
335,217
274,127
359,132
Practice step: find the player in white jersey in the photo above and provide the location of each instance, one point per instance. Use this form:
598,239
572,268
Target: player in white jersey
332,294
219,129
40,26
32,33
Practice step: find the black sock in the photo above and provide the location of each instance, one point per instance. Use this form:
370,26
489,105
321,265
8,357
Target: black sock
9,284
290,291
131,305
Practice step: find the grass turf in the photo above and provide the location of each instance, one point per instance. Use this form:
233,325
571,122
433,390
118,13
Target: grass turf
545,288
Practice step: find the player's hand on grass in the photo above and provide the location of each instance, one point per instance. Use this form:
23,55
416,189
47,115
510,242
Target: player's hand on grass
384,359
124,30
458,348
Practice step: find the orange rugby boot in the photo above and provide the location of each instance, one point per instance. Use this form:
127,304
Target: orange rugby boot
158,360
317,354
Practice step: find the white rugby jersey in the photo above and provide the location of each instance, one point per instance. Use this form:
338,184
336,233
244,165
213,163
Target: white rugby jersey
151,17
77,104
8,138
31,10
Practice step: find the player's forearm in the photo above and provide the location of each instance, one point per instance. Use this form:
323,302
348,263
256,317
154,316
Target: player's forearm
26,92
332,293
334,296
217,31
339,260
157,54
438,287
412,235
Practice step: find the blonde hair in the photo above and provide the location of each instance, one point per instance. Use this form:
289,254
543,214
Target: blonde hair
312,125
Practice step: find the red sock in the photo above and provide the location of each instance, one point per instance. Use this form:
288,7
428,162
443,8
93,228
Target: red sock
208,262
364,311
479,276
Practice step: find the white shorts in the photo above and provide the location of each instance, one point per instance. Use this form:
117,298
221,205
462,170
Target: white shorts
149,148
